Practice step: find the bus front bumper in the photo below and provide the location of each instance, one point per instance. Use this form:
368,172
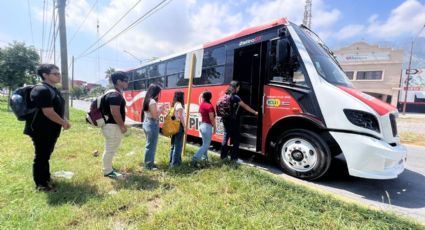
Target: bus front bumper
371,158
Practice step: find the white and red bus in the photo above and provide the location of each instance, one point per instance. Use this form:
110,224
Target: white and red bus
309,111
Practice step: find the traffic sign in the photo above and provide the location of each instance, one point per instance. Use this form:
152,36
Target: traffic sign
412,71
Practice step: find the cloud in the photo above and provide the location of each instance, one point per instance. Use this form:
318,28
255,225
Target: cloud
175,27
350,31
293,10
405,20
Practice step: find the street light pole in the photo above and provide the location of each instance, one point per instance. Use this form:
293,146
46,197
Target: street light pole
409,70
140,60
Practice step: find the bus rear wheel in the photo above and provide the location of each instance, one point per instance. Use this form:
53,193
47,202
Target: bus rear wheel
303,154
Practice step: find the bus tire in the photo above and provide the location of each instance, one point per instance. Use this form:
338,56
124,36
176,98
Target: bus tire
303,154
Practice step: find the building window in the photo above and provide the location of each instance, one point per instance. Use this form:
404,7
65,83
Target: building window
350,74
369,75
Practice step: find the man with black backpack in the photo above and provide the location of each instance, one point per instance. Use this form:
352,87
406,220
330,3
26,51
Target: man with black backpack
228,108
44,126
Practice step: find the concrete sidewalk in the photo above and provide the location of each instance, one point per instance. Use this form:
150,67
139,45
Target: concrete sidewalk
412,115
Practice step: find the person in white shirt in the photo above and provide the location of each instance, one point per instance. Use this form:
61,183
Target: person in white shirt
151,125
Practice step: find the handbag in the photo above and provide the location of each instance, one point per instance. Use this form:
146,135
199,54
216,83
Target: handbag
171,125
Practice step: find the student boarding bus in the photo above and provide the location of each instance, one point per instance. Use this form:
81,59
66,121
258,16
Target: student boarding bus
309,112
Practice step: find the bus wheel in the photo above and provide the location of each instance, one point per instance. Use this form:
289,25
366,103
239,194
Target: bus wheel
303,154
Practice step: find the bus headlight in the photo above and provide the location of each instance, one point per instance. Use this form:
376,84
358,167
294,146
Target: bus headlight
362,119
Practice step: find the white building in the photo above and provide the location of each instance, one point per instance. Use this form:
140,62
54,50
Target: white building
373,70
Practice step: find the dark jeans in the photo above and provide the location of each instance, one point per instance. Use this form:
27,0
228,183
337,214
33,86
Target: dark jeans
44,147
176,148
231,131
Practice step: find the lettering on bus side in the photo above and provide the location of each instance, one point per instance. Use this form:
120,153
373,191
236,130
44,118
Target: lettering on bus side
277,102
251,41
195,122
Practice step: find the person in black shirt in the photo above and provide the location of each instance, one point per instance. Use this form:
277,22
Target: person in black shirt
45,127
232,123
114,128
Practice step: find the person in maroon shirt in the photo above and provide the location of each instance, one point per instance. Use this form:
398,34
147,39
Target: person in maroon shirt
207,127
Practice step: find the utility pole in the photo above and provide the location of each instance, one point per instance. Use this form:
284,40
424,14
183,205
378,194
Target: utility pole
64,55
307,14
409,70
72,81
54,32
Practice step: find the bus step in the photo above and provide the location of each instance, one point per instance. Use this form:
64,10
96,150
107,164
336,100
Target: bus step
251,129
248,138
249,120
248,147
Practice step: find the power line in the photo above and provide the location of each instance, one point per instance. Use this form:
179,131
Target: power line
29,14
42,31
51,34
142,18
113,26
79,27
54,36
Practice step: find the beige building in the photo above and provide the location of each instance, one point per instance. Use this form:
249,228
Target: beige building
372,69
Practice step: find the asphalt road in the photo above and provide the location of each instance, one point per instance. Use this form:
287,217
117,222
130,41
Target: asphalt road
404,195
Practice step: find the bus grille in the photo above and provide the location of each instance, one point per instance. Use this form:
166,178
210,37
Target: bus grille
393,124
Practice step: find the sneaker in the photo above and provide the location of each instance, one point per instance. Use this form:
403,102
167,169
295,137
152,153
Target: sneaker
236,161
47,188
153,167
114,175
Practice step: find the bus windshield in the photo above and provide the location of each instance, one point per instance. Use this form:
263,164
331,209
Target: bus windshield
324,61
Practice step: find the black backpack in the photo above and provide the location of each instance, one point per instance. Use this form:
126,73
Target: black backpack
21,104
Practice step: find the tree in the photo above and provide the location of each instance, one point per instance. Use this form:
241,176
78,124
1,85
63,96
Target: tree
108,73
78,91
18,64
97,91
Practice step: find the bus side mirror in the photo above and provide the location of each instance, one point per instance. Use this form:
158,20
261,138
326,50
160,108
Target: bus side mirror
284,60
283,51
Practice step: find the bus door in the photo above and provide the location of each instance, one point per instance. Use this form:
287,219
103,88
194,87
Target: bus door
248,70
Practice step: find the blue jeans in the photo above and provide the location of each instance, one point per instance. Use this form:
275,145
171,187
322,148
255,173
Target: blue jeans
176,148
231,131
151,128
206,133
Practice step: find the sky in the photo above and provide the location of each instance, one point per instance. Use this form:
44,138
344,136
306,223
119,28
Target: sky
178,25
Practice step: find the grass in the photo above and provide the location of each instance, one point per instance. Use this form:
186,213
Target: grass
217,196
412,138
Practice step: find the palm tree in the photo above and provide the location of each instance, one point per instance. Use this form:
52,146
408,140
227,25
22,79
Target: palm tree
108,73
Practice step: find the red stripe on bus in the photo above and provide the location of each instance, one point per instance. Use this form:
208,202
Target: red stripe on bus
379,106
247,31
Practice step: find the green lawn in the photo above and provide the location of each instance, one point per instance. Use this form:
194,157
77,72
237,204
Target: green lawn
218,196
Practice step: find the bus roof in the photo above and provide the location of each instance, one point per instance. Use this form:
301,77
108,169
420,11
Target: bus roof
247,31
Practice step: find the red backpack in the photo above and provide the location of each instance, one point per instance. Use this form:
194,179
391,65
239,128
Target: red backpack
96,114
224,106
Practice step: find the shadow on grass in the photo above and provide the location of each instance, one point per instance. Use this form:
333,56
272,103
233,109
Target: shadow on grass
189,168
74,193
137,182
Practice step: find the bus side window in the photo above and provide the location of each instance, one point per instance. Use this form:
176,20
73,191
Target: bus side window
157,80
139,74
130,86
177,80
140,85
277,69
